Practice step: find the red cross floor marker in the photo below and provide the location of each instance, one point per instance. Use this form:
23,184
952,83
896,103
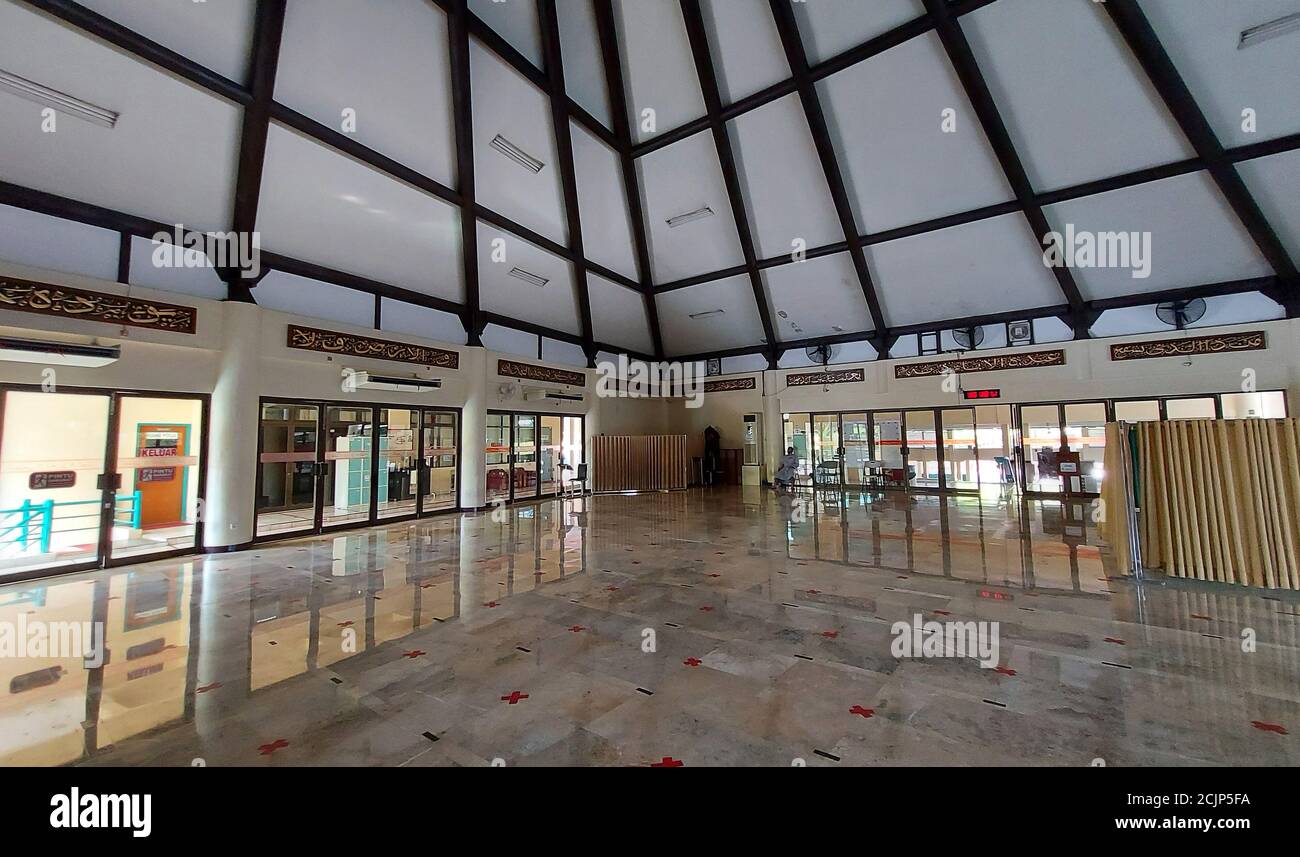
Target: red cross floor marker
942,613
345,624
1116,640
268,749
576,628
692,662
864,712
208,687
1004,670
1269,727
830,635
514,697
667,762
813,591
491,604
611,588
414,653
706,609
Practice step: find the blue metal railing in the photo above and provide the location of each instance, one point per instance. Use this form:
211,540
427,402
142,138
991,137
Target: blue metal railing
34,525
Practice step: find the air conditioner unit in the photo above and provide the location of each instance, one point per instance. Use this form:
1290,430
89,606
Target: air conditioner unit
365,380
535,395
58,353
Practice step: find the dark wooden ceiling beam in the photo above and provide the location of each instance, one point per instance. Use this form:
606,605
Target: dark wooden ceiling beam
995,130
613,67
268,26
792,43
550,26
708,78
462,111
1146,47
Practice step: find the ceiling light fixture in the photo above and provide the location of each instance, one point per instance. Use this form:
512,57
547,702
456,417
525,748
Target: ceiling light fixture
697,214
528,277
706,313
1269,30
62,102
516,154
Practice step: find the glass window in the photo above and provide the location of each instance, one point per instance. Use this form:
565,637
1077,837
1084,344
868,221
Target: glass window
1085,433
497,457
439,462
287,502
398,473
1190,409
1266,405
347,465
1040,432
158,443
1144,411
922,448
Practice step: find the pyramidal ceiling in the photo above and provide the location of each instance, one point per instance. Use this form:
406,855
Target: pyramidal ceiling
671,178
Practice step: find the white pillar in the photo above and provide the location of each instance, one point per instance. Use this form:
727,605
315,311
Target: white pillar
473,428
773,430
232,445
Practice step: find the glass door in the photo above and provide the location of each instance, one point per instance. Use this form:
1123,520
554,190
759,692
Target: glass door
797,435
826,450
960,449
349,467
994,444
53,483
155,510
922,449
398,456
855,440
287,468
523,465
1085,433
1041,440
438,461
551,454
496,457
887,448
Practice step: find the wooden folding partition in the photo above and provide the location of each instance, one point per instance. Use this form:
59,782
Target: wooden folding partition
656,462
1220,500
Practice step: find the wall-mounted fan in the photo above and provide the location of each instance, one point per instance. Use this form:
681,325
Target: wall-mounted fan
968,338
820,354
1179,314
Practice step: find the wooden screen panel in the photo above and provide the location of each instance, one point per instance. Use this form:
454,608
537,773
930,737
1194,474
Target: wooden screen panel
656,462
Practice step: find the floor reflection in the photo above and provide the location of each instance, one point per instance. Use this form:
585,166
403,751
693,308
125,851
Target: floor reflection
398,644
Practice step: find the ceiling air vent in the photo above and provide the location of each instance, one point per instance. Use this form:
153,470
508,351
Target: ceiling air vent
697,214
516,154
1269,30
528,277
63,103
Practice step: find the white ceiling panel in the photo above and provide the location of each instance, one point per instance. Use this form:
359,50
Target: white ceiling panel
171,156
415,320
657,66
817,297
737,326
978,268
401,95
786,194
515,21
831,27
302,296
174,269
602,203
1274,182
681,178
1201,37
746,48
55,244
1192,235
324,207
507,340
557,352
584,66
618,315
507,104
900,165
1059,72
552,305
216,35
